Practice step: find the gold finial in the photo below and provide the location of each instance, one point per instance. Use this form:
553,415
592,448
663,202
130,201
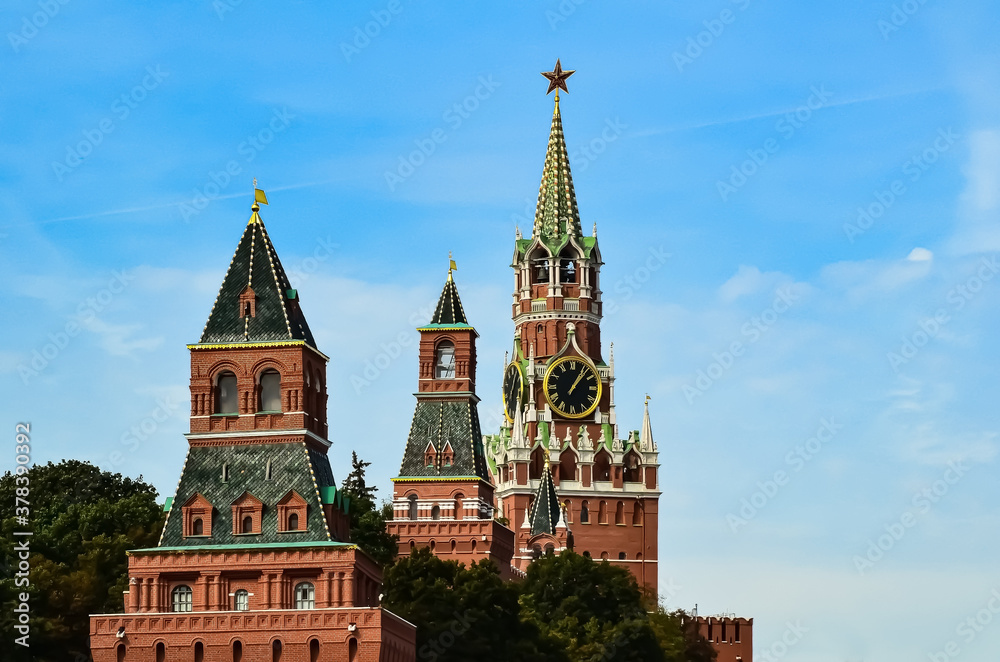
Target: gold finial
258,197
647,399
451,265
557,81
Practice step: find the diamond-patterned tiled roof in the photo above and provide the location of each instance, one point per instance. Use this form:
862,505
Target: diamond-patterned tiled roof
556,215
449,311
277,315
441,423
545,512
294,466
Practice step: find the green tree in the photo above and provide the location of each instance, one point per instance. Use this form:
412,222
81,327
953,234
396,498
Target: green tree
463,613
83,521
594,610
680,638
367,517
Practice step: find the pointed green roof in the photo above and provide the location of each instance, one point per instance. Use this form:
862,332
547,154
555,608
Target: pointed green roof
256,271
449,311
556,215
545,512
444,426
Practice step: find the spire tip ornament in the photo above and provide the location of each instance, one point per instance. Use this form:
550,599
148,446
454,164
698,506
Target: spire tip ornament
557,80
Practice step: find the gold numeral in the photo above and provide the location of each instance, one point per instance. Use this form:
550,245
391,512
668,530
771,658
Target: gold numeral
572,365
572,409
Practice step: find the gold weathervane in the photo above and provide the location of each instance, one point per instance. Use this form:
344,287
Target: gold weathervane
557,79
258,196
451,265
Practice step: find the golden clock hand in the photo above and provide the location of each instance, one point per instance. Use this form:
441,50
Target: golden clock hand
575,383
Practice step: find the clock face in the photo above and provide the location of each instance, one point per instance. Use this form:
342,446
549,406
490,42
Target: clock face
572,387
513,389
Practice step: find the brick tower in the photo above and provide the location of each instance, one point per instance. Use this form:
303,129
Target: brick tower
254,561
559,392
443,496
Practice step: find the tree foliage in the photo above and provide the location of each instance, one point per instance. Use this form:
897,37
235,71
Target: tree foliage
367,517
83,521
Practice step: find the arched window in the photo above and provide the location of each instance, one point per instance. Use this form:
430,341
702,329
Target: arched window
536,551
314,650
247,525
161,652
622,556
199,652
352,650
602,513
604,556
587,554
226,401
241,600
198,527
567,466
537,462
602,466
270,391
180,598
305,596
268,471
120,652
620,513
237,651
445,363
633,468
567,267
276,650
568,511
637,514
539,267
414,509
293,522
585,512
459,507
436,512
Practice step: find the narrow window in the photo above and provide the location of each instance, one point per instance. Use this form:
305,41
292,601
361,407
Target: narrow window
724,631
120,652
199,652
622,556
436,512
180,598
620,513
198,527
161,652
352,650
585,513
445,360
225,394
637,514
237,651
413,507
247,524
568,511
267,471
225,472
305,596
602,513
736,626
293,522
314,650
270,391
241,600
276,651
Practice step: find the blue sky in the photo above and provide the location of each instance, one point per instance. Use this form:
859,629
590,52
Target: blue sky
797,206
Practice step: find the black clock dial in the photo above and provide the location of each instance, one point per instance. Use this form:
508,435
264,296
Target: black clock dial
513,389
572,387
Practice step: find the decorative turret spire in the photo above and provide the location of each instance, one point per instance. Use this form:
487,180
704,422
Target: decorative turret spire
545,511
556,216
646,434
